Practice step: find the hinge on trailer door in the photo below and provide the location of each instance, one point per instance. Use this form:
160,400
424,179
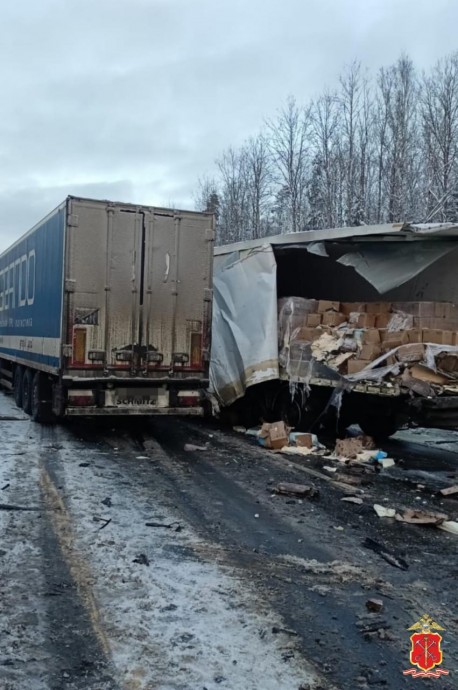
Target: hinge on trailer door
70,285
72,220
208,295
209,235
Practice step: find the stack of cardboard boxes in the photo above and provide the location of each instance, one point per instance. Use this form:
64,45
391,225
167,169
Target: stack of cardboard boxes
373,328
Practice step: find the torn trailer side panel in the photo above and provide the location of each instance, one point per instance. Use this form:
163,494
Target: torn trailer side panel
407,267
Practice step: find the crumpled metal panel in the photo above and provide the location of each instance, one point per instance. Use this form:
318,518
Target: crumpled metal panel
245,345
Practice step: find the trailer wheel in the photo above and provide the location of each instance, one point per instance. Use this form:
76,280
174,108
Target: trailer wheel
27,379
17,385
41,400
380,428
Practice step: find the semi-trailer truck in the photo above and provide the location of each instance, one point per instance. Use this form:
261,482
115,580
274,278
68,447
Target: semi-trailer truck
105,309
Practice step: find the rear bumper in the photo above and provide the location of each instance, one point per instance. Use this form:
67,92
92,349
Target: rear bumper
132,411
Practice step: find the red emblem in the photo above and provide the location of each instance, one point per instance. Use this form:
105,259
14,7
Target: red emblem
426,651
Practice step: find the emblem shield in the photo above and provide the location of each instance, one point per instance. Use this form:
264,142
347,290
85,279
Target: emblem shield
426,650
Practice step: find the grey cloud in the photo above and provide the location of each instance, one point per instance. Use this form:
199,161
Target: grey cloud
150,92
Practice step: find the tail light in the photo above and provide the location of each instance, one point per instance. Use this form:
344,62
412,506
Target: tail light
189,398
81,398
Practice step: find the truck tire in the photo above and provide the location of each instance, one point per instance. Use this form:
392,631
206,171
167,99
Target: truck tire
41,400
27,379
17,385
379,428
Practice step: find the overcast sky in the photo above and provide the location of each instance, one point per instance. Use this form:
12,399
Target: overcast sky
133,100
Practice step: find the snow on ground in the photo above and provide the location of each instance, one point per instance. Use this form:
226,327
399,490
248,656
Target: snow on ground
22,623
180,622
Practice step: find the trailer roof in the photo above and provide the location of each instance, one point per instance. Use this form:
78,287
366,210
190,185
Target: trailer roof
396,231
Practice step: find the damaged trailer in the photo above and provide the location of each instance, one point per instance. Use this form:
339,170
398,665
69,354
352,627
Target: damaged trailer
361,322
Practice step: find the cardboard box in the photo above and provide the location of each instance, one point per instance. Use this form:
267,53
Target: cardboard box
412,352
372,335
433,335
348,307
332,318
382,320
274,436
362,320
378,307
314,320
370,352
394,339
427,309
308,335
356,365
418,371
304,440
326,305
414,335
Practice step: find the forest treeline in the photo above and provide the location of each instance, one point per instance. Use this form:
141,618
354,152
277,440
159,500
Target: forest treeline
373,150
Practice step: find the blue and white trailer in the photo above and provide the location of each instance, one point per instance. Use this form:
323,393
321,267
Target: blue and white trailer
105,309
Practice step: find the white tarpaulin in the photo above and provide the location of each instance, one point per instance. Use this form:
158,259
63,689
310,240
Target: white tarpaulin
388,266
245,341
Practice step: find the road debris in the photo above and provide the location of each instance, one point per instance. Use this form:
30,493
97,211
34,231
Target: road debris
274,436
142,559
5,487
385,553
350,447
384,512
449,490
172,525
449,526
289,489
375,605
352,499
190,447
421,517
107,502
276,630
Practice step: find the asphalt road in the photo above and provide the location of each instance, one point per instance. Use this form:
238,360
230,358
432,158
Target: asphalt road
127,561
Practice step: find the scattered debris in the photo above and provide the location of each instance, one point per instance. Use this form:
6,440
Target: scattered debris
142,559
288,489
449,526
5,487
329,469
106,522
8,506
375,605
107,502
191,447
297,450
389,556
421,517
276,630
350,447
240,429
352,499
142,457
385,463
256,515
274,436
450,490
84,464
172,525
384,512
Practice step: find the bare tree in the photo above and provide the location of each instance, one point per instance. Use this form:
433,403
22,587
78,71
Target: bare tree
289,147
259,182
440,125
324,119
